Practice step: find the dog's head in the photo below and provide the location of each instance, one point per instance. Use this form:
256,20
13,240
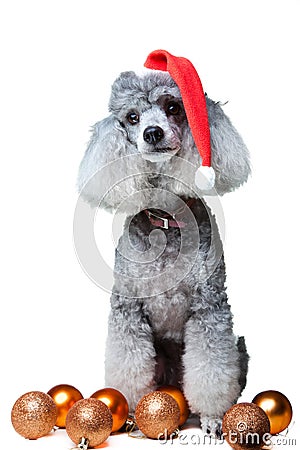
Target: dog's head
148,122
151,112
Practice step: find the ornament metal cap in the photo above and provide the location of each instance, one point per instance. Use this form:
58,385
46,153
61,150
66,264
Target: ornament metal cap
187,79
82,445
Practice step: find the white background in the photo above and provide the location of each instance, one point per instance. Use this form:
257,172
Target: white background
58,60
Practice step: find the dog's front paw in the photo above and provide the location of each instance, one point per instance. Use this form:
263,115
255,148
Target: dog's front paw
211,425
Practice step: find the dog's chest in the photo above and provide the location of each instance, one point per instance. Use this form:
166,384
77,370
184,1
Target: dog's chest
167,314
157,271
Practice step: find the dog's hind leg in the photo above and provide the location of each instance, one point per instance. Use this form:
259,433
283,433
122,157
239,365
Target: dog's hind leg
169,365
244,359
130,355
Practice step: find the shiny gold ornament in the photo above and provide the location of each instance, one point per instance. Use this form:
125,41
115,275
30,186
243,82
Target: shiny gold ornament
117,404
90,419
246,425
180,399
64,397
157,415
34,415
277,407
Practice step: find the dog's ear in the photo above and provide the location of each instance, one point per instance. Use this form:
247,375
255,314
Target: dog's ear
230,156
96,175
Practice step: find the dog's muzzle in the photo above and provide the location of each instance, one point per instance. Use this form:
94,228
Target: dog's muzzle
158,149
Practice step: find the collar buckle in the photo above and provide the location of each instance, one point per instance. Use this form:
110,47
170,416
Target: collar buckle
165,221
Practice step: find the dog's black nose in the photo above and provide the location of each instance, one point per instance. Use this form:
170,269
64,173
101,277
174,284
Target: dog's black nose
152,135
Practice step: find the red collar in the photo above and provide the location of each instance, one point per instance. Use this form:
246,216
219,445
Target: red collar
169,220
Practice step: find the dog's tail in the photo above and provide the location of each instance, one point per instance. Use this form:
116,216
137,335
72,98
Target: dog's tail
243,359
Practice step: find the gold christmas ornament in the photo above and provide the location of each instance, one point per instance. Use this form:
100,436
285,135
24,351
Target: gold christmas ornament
64,396
277,407
177,394
245,426
117,404
157,415
34,415
89,420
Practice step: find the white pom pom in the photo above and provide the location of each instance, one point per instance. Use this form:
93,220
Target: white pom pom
205,178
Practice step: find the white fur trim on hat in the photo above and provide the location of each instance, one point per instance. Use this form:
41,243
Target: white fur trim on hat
205,178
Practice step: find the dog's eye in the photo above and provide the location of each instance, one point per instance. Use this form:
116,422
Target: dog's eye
173,108
133,118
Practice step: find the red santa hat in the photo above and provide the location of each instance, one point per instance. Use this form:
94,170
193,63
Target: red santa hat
185,76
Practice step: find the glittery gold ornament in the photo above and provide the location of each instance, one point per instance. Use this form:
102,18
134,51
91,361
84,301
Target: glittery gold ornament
277,407
34,415
117,404
89,419
180,399
157,415
246,425
64,396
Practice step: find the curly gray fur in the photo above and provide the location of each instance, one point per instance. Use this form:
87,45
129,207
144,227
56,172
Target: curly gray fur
182,336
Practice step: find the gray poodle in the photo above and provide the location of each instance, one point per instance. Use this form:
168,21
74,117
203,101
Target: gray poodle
170,322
